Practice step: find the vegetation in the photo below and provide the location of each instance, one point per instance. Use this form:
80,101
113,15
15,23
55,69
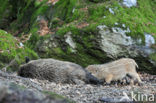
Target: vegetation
23,18
8,46
139,19
3,7
80,17
153,57
86,51
10,49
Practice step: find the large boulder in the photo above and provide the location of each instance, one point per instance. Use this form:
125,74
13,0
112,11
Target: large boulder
15,89
117,44
13,93
56,71
99,46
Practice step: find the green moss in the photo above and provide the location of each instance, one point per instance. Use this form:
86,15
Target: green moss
86,50
135,18
20,58
10,50
78,15
153,57
64,9
57,97
3,7
8,46
139,19
31,43
58,50
2,64
25,52
24,13
63,30
40,9
55,22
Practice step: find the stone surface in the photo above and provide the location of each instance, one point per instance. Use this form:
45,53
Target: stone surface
129,3
79,93
98,47
69,40
14,89
111,42
111,11
149,39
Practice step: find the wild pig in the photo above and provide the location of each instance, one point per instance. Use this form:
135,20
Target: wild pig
115,70
57,71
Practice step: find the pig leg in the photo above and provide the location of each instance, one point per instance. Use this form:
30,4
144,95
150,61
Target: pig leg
135,75
108,79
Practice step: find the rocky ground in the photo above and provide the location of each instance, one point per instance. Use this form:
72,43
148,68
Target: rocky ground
78,93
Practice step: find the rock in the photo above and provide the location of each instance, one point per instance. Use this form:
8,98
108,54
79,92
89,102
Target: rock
129,3
117,44
12,93
97,47
57,71
149,40
3,92
111,11
68,39
14,89
110,42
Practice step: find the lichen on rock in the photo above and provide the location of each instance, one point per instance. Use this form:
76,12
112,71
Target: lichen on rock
111,41
129,3
68,39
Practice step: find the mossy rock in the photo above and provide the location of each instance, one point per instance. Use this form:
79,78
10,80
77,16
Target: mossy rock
87,51
139,19
73,12
8,46
10,52
153,57
27,94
